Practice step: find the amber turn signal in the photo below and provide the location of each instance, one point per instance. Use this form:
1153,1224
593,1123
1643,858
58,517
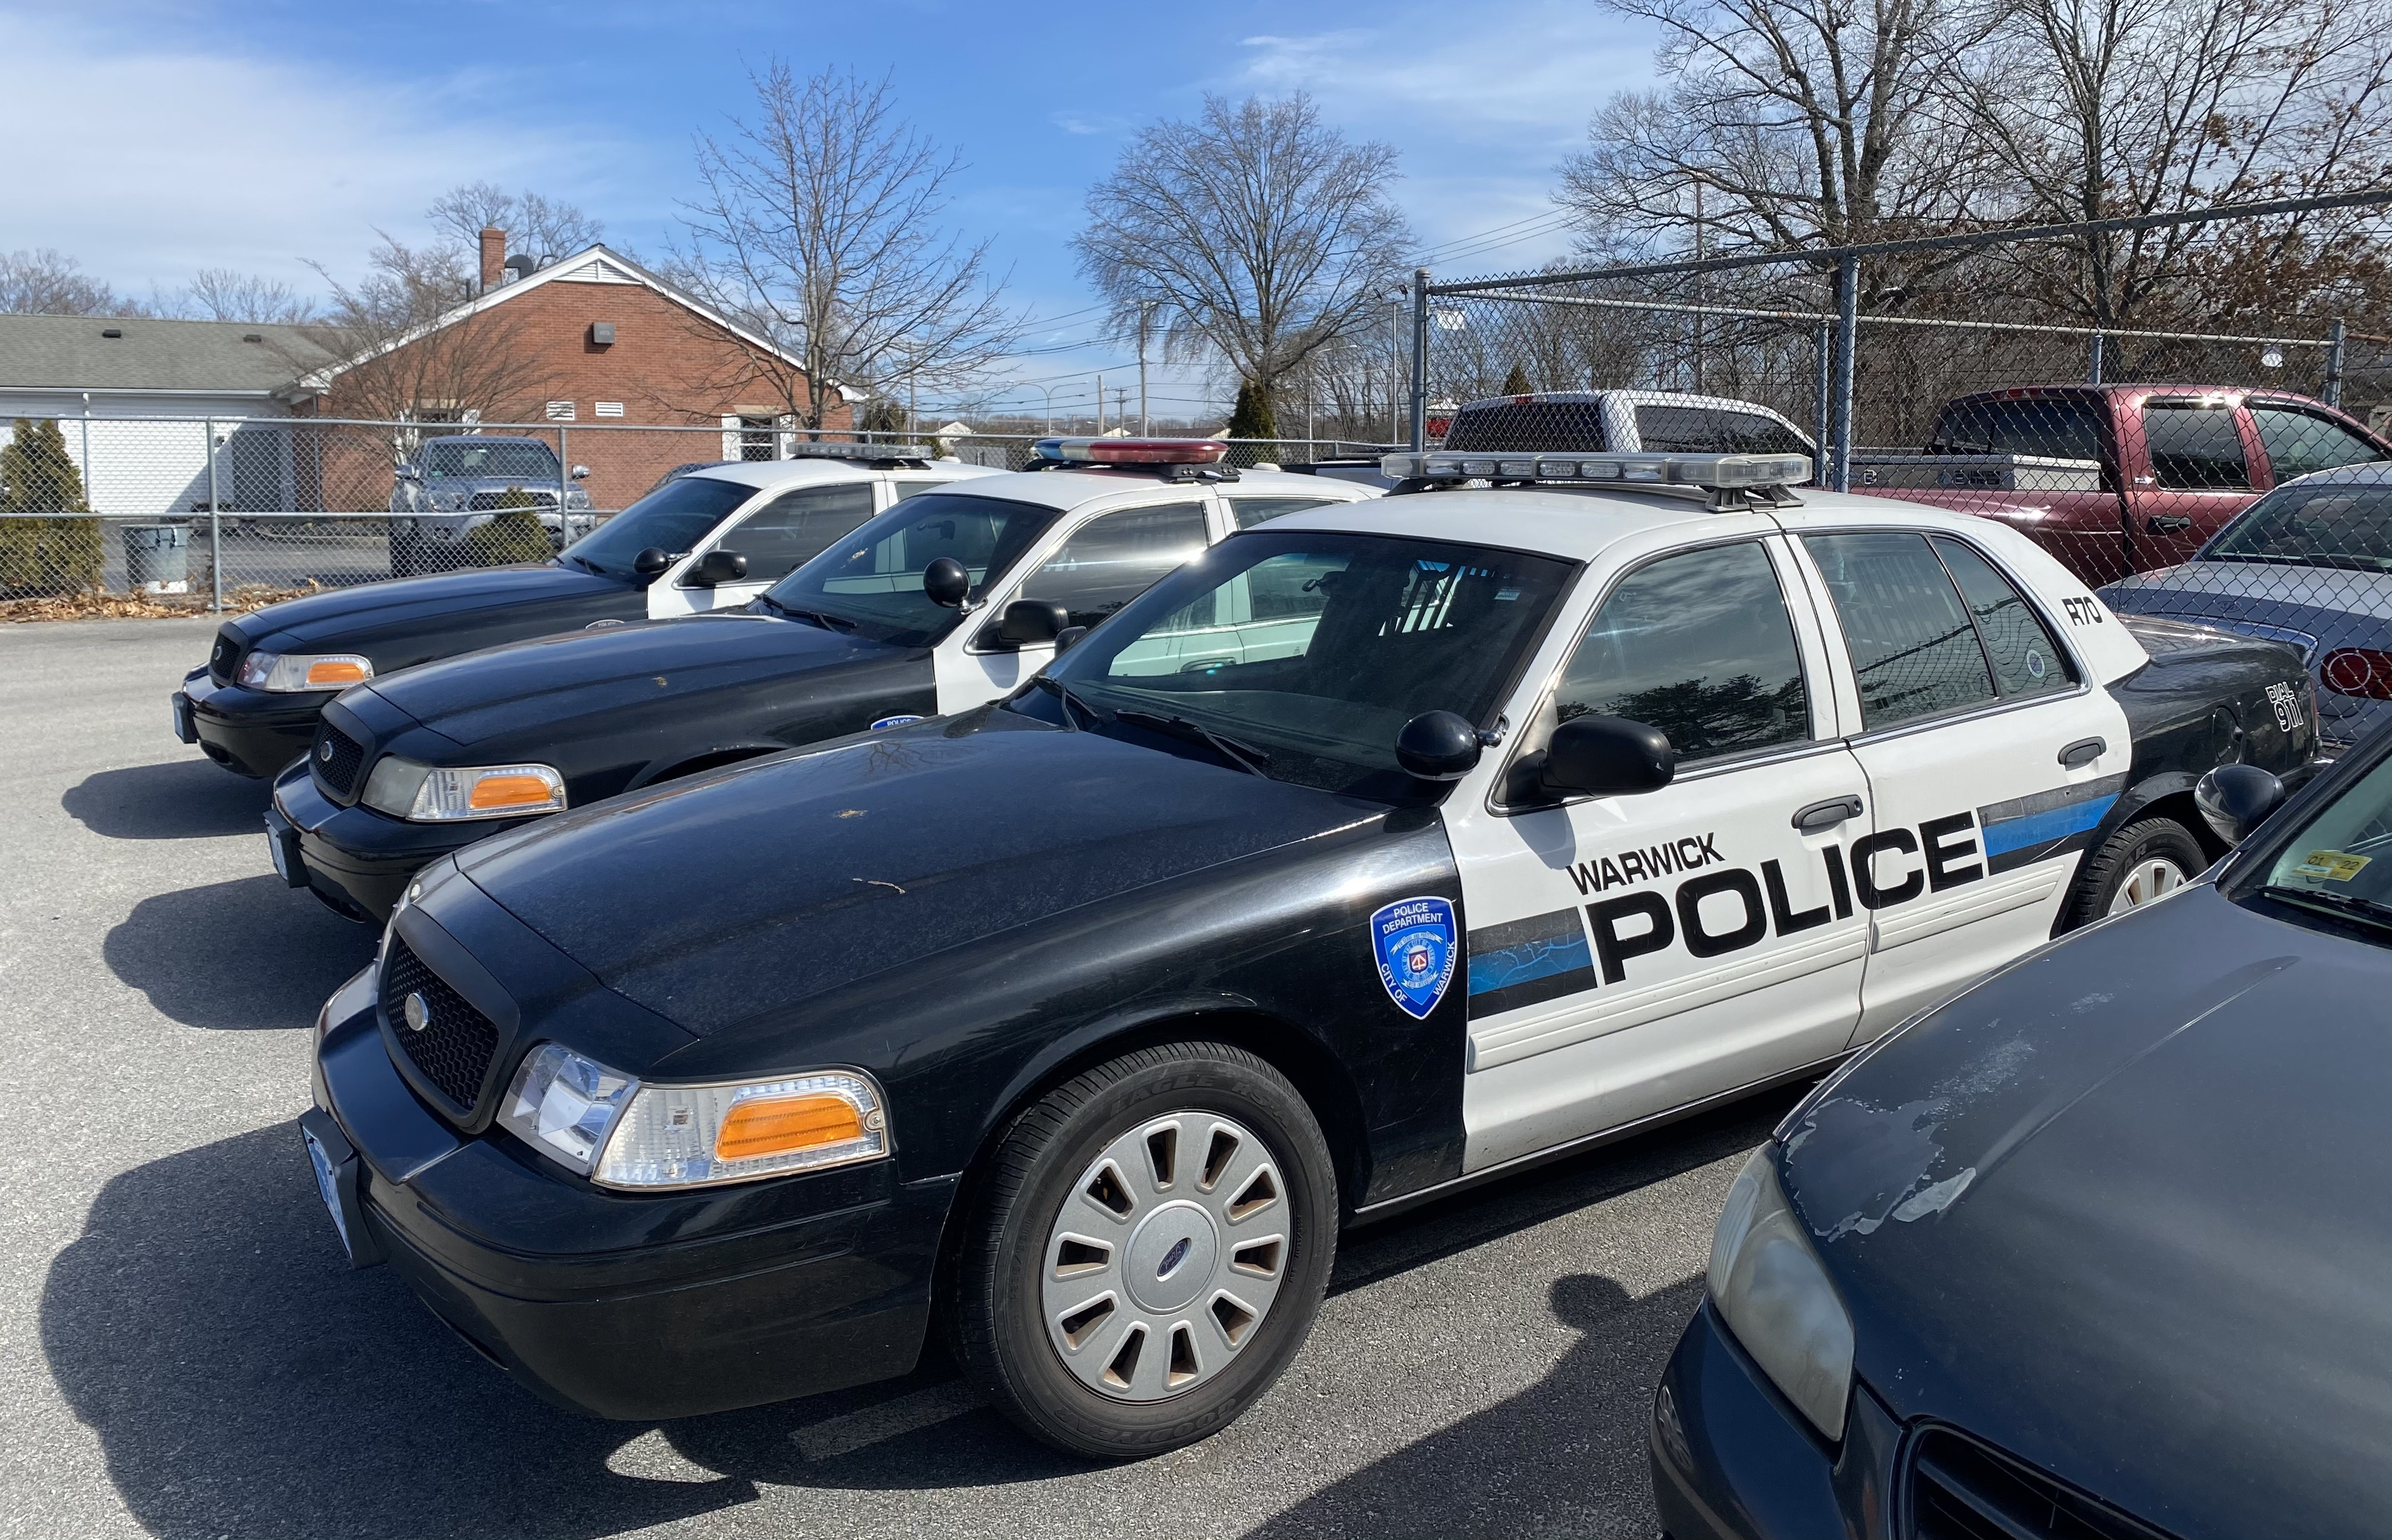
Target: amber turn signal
331,673
509,791
778,1125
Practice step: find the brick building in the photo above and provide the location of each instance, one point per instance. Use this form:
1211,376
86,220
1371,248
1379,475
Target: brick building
594,349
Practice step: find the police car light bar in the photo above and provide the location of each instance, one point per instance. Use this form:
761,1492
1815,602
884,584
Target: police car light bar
1710,472
859,451
1131,451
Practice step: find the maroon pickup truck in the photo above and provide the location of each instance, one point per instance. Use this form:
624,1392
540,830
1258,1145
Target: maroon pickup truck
2117,479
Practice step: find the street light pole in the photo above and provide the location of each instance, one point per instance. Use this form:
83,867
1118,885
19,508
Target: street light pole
1144,423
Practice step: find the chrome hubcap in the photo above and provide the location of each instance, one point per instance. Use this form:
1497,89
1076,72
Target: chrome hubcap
2149,879
1165,1257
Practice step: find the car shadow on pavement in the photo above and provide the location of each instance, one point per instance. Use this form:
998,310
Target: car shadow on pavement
179,799
251,952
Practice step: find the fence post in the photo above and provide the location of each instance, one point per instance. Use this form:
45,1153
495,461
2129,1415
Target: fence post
1420,359
1847,304
1819,401
565,484
2334,338
2093,375
215,526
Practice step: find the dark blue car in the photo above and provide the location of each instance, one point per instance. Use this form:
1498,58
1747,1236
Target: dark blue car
2310,564
2098,1249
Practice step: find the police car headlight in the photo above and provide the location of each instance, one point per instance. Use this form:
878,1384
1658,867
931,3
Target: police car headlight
564,1103
1772,1292
431,794
701,1135
290,673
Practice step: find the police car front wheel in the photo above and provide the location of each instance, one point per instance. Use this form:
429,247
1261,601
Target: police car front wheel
2144,862
1148,1250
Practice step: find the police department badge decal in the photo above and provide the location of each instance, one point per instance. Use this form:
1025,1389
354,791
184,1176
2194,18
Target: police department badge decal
1414,943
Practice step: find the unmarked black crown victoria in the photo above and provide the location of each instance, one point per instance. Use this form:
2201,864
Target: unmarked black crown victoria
1379,851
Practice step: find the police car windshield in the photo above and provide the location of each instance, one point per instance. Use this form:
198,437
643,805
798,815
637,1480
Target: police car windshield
1314,649
2341,859
673,518
870,582
2333,523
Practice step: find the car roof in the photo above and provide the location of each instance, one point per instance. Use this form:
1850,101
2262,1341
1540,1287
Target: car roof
490,438
786,472
1070,488
1577,523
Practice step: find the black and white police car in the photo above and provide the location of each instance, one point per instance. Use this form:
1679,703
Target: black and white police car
942,602
1380,849
711,540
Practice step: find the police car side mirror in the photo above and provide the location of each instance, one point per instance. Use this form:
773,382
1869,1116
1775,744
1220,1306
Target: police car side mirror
947,582
1069,638
717,566
2235,799
1437,745
1032,622
1608,757
652,561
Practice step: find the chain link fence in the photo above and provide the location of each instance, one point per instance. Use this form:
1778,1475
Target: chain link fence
153,514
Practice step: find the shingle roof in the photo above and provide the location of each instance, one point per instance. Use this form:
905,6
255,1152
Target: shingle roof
68,353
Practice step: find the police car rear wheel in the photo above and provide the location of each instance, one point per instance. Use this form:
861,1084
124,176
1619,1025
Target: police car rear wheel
1149,1251
2143,861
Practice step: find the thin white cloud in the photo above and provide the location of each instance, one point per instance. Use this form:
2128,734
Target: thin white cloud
1089,123
160,158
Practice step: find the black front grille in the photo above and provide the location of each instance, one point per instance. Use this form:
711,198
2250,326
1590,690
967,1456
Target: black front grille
336,758
222,656
1963,1490
484,502
452,1049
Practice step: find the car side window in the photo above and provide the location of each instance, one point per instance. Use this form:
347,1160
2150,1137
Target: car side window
2299,442
1665,430
1113,559
1913,646
797,527
899,489
2194,448
2026,660
1250,511
1699,645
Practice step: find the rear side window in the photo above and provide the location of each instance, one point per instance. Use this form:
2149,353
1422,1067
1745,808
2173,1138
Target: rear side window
796,527
2299,442
2194,448
1512,426
1700,646
2054,427
1914,648
1250,511
2026,660
1664,430
1114,559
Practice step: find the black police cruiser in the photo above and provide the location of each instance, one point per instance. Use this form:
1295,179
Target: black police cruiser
1380,849
708,540
408,769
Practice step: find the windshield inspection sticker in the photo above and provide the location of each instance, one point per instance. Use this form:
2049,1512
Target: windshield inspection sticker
2331,865
1414,941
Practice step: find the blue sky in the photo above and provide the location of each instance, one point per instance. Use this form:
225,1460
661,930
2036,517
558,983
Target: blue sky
258,134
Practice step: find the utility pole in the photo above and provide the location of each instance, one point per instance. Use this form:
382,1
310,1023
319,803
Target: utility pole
1100,403
1145,423
1700,287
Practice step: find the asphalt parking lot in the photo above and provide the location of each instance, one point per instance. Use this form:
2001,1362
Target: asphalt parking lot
185,1353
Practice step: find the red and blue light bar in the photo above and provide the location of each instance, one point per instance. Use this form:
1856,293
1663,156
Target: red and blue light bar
1131,451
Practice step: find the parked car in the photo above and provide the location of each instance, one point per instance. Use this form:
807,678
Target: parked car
457,483
713,539
2118,479
684,469
1386,847
2096,1249
426,761
2310,564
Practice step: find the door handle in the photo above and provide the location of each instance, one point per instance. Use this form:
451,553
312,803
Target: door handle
2083,752
2167,524
1827,815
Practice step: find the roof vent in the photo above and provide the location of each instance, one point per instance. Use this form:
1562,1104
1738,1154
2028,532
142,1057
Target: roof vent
522,264
252,337
111,331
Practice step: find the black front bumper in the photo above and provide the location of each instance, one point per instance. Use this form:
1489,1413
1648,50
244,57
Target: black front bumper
631,1306
249,731
1733,1460
356,859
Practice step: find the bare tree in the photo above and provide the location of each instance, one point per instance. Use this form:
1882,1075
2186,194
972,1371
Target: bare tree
816,227
221,294
43,282
1255,235
410,356
541,225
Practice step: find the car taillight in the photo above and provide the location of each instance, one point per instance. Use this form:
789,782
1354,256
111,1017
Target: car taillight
2362,671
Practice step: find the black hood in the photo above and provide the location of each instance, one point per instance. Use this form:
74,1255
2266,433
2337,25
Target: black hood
755,889
2123,1210
519,699
406,621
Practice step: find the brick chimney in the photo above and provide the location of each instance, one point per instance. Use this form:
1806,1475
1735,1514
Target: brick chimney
494,256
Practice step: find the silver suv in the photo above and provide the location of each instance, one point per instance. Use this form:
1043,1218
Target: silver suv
457,483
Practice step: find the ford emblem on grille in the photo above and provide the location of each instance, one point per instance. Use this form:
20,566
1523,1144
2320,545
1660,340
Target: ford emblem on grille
418,1012
324,752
